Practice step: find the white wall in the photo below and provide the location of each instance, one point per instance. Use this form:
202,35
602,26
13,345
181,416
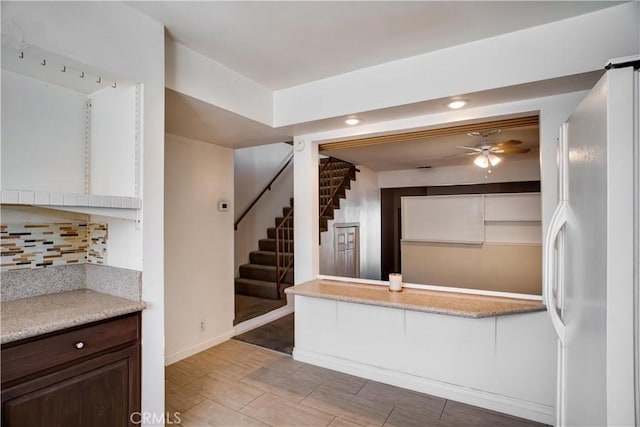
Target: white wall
509,170
195,75
362,205
113,133
198,246
570,46
41,122
254,167
113,37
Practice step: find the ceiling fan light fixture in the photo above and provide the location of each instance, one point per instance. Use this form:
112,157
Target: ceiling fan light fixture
493,159
456,104
482,161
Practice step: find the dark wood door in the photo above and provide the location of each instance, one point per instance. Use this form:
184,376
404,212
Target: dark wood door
96,393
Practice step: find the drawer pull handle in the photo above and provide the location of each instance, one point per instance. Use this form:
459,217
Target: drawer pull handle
79,345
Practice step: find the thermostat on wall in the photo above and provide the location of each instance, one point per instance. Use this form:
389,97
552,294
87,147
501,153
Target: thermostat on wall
223,205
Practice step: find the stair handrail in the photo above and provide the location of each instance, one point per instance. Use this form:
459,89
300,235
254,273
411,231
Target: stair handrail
283,249
333,189
264,190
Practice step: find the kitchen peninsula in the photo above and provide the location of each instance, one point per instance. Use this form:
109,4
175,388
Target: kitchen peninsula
490,351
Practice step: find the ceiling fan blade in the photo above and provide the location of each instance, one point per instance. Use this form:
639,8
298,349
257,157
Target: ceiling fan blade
465,147
508,143
513,150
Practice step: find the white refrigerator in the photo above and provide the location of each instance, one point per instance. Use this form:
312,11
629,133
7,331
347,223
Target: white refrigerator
591,255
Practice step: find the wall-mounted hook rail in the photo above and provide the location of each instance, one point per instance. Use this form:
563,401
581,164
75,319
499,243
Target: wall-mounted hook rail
44,62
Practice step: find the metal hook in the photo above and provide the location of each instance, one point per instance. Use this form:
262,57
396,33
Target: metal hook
82,75
114,85
44,62
99,80
64,69
21,56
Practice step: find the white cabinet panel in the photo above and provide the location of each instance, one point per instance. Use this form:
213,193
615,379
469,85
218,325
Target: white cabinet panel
513,232
316,325
449,348
512,207
443,218
526,349
371,334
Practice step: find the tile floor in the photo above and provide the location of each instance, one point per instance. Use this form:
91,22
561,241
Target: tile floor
239,384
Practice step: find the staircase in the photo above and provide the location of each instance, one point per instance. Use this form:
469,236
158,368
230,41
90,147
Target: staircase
270,268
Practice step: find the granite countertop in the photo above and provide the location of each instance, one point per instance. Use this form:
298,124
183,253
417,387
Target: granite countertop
439,302
28,317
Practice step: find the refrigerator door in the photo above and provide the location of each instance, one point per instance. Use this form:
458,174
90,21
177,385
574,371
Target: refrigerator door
596,367
583,360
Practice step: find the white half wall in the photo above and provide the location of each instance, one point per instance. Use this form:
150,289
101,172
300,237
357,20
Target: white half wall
198,246
254,167
362,205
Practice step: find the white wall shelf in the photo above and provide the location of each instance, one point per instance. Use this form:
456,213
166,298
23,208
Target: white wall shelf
70,133
45,198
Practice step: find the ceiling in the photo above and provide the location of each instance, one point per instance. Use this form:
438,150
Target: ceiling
435,151
281,44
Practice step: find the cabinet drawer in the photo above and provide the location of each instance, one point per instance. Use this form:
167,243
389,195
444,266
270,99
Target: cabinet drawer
66,346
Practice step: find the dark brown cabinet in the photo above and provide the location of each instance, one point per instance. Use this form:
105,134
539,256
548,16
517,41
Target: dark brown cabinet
83,376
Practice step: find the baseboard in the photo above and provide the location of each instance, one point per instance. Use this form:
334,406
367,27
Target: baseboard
183,353
256,322
495,402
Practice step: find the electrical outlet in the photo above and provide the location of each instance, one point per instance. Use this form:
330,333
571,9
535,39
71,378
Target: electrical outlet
202,326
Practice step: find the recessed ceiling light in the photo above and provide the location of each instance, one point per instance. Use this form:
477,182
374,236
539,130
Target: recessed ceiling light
458,103
351,121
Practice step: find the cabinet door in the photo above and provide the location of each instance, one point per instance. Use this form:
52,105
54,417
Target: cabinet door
96,393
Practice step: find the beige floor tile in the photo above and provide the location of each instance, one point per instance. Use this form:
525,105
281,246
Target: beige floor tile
403,418
179,398
231,393
230,369
285,365
403,398
189,420
348,406
215,414
281,412
333,379
179,374
340,422
457,414
281,385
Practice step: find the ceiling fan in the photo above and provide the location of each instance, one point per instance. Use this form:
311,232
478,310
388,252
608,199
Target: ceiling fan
486,151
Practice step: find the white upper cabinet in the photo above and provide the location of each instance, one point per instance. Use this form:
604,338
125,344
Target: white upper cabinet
70,133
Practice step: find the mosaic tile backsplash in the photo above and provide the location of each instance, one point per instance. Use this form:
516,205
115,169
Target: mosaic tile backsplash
42,245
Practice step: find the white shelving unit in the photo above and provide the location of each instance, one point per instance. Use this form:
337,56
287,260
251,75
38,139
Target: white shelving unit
70,135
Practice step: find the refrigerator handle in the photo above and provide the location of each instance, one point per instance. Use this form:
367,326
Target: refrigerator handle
558,221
